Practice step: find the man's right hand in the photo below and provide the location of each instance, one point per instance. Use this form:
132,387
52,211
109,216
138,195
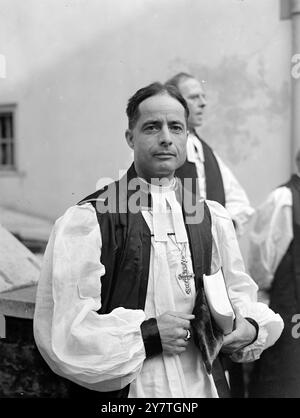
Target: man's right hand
173,328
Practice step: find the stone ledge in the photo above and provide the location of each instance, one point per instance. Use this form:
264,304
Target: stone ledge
18,303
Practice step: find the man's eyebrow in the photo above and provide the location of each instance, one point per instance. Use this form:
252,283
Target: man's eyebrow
197,95
176,121
152,120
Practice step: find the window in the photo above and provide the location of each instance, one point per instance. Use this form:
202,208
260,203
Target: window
7,138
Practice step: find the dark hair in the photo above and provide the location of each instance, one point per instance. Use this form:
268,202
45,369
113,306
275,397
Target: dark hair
176,79
144,93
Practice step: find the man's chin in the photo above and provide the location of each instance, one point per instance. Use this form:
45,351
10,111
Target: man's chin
166,169
196,124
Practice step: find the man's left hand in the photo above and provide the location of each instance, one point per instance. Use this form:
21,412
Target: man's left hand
243,334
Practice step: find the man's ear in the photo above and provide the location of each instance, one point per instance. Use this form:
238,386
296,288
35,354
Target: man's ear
129,138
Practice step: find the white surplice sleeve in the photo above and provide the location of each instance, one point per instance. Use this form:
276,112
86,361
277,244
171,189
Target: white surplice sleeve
237,202
242,290
270,236
100,352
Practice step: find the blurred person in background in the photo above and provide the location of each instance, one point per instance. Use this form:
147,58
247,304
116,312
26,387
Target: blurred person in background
274,263
215,179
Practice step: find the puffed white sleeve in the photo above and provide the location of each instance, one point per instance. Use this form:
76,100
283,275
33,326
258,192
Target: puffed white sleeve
101,352
270,236
237,202
242,290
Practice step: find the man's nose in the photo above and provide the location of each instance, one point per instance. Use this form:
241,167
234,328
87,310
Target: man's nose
165,137
202,101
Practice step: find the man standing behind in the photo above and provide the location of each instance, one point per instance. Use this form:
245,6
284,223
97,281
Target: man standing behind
120,305
274,263
215,180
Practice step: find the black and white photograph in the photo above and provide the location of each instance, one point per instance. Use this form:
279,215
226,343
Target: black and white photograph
149,202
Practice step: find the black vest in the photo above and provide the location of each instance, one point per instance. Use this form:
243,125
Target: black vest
285,291
126,244
213,177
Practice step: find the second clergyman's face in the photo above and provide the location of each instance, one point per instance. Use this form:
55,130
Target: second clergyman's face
159,137
193,93
298,162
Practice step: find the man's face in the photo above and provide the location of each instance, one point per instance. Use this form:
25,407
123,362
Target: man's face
159,137
193,93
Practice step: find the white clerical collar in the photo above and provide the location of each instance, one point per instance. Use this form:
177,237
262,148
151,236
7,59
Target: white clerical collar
155,188
164,202
194,149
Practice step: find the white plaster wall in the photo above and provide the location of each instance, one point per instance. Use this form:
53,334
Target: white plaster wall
72,65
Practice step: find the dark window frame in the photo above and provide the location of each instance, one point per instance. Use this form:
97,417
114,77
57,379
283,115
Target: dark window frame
8,157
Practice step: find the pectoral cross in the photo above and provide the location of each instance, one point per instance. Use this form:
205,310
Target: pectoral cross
186,276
